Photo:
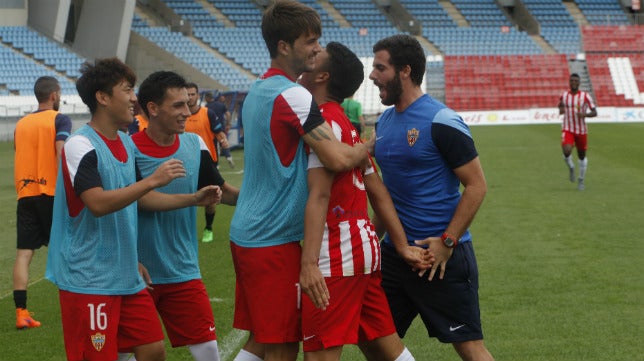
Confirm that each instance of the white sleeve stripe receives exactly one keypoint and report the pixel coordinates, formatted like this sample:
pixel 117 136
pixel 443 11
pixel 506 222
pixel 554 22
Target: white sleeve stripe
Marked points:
pixel 337 131
pixel 300 100
pixel 76 148
pixel 202 145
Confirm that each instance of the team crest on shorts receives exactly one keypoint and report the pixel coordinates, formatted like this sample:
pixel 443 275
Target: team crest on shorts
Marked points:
pixel 98 340
pixel 412 136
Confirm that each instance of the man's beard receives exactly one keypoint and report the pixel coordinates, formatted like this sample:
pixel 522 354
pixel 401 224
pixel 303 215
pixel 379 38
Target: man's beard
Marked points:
pixel 393 90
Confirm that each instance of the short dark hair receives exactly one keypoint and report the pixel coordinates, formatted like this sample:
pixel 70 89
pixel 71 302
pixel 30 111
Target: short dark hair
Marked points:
pixel 345 69
pixel 575 75
pixel 192 85
pixel 154 87
pixel 44 86
pixel 103 75
pixel 288 20
pixel 404 50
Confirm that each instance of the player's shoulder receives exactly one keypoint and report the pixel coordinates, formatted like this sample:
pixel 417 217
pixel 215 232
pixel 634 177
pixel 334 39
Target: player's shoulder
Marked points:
pixel 76 148
pixel 78 141
pixel 63 117
pixel 296 94
pixel 450 119
pixel 190 137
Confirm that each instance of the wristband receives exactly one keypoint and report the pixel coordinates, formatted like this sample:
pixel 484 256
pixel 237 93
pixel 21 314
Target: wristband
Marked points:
pixel 449 241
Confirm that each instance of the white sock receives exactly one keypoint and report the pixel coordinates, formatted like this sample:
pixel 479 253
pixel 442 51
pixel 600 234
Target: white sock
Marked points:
pixel 244 355
pixel 405 356
pixel 569 162
pixel 206 351
pixel 129 356
pixel 583 165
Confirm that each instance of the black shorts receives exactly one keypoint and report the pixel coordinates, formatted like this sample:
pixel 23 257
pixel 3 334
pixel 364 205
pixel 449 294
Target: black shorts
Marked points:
pixel 449 307
pixel 33 219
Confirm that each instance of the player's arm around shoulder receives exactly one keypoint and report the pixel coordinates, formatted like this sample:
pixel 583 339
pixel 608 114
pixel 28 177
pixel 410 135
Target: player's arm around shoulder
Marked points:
pixel 335 155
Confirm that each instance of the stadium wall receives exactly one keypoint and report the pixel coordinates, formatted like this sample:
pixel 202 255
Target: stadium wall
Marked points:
pixel 550 116
pixel 80 116
pixel 104 28
pixel 49 17
pixel 13 12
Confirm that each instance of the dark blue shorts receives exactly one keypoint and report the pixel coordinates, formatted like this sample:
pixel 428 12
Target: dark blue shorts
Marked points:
pixel 449 307
pixel 33 218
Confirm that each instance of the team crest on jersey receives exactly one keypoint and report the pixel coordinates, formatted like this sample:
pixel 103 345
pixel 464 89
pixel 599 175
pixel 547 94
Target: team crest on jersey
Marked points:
pixel 338 211
pixel 98 340
pixel 412 136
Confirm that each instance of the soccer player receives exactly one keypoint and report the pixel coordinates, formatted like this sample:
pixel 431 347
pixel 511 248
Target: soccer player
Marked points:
pixel 575 105
pixel 353 110
pixel 204 122
pixel 167 240
pixel 219 107
pixel 425 152
pixel 280 117
pixel 38 140
pixel 345 250
pixel 140 121
pixel 105 306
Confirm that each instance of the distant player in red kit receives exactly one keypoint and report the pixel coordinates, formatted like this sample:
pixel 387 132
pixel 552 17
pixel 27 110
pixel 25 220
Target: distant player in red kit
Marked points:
pixel 575 104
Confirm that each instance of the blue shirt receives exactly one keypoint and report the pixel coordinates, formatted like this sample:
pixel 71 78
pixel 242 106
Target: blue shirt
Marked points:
pixel 416 150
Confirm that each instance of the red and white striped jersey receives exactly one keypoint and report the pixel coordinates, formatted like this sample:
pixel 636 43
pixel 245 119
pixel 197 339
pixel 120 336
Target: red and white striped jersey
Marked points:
pixel 573 104
pixel 350 245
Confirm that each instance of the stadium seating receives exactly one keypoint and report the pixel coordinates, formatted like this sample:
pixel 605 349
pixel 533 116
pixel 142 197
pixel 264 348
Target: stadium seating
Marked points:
pixel 620 38
pixel 429 13
pixel 42 49
pixel 361 13
pixel 26 55
pixel 488 52
pixel 481 14
pixel 481 41
pixel 190 51
pixel 504 82
pixel 602 12
pixel 241 13
pixel 615 63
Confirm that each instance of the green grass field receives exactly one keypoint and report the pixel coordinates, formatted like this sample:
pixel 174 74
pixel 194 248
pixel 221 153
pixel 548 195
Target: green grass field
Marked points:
pixel 561 270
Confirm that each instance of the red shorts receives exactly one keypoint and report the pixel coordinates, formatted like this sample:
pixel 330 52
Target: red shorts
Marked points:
pixel 185 311
pixel 267 293
pixel 579 140
pixel 358 311
pixel 98 327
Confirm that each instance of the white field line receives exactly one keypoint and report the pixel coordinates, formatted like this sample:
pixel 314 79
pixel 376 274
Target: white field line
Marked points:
pixel 10 293
pixel 229 343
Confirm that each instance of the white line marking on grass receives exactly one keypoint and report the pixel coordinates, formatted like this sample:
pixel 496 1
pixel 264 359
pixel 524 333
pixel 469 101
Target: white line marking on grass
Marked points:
pixel 10 293
pixel 233 172
pixel 229 343
pixel 216 299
